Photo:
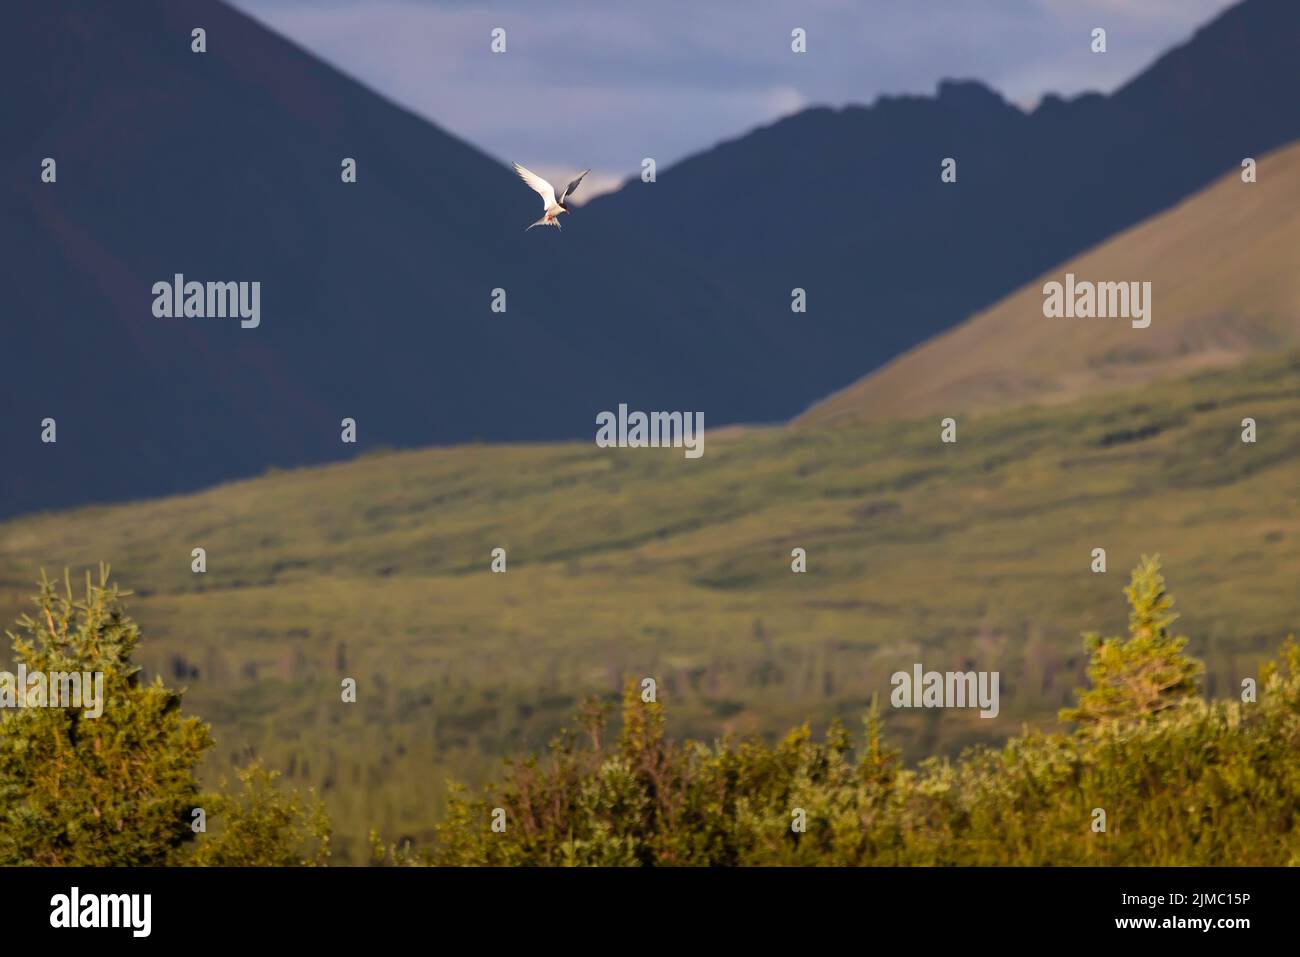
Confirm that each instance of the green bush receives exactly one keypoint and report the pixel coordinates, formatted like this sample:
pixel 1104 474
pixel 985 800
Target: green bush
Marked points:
pixel 1180 781
pixel 121 788
pixel 262 826
pixel 116 789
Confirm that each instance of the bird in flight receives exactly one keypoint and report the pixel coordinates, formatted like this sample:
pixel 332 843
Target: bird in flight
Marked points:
pixel 553 205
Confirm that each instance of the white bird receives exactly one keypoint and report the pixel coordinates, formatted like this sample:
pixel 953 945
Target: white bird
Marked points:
pixel 550 203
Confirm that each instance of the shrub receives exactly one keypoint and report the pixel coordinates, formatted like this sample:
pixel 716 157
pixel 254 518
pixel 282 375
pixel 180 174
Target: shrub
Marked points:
pixel 75 790
pixel 1181 781
pixel 121 788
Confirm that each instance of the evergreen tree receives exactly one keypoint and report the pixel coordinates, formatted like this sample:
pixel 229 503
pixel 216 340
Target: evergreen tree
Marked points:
pixel 1145 674
pixel 121 788
pixel 107 790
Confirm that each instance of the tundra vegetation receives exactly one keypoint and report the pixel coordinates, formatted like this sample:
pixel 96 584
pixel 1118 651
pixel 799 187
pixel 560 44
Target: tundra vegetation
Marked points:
pixel 970 556
pixel 122 788
pixel 1180 779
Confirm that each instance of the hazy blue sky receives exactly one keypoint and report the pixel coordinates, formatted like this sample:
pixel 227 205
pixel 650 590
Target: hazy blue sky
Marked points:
pixel 603 83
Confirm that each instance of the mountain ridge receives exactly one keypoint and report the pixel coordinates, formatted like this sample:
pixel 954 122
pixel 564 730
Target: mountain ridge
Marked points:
pixel 1223 289
pixel 377 295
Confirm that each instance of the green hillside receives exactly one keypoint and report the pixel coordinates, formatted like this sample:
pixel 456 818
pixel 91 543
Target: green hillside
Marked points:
pixel 1224 286
pixel 640 562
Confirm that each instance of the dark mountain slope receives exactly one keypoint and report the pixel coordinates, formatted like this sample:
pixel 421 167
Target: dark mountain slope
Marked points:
pixel 375 296
pixel 849 204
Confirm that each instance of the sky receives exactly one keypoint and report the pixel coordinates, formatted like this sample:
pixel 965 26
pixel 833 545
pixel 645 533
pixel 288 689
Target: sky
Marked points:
pixel 605 83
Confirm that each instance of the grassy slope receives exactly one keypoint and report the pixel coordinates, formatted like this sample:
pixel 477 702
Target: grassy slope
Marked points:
pixel 642 562
pixel 1224 286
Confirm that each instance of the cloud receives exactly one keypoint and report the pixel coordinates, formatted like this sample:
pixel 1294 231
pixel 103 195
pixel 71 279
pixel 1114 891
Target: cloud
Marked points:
pixel 784 100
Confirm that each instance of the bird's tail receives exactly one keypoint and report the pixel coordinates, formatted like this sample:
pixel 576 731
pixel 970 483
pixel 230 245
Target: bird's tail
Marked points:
pixel 543 222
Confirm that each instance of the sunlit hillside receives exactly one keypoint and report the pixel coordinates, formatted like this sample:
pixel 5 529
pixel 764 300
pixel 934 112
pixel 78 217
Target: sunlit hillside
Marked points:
pixel 640 562
pixel 1224 286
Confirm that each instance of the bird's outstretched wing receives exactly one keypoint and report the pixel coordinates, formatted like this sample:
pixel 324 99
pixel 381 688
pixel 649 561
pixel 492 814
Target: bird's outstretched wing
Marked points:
pixel 572 187
pixel 546 190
